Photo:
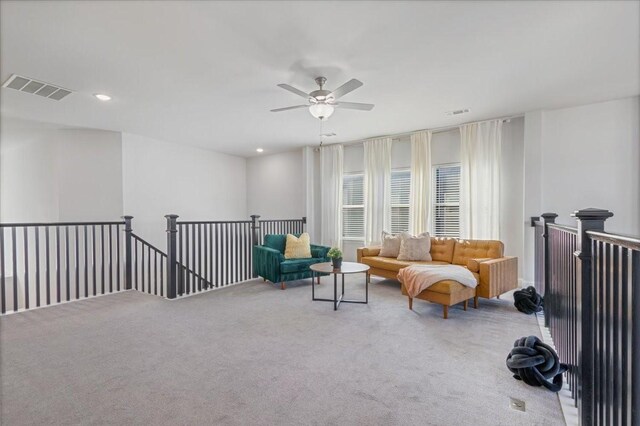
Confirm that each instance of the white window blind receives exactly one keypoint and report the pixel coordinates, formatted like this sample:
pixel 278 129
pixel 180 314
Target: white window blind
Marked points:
pixel 353 207
pixel 446 206
pixel 400 188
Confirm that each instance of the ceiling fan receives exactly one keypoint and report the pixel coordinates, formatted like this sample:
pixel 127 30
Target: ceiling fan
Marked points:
pixel 322 102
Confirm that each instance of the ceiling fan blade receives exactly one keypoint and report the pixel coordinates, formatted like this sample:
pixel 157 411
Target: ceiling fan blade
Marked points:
pixel 288 108
pixel 294 90
pixel 349 86
pixel 355 105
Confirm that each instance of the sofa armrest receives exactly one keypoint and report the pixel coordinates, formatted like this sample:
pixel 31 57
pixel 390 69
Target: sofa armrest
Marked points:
pixel 319 251
pixel 498 276
pixel 266 263
pixel 367 251
pixel 474 264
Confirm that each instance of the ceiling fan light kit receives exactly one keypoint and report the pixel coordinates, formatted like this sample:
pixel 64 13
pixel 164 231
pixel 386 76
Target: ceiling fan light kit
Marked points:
pixel 321 110
pixel 322 103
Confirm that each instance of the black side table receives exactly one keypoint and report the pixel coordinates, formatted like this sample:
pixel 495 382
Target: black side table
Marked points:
pixel 346 268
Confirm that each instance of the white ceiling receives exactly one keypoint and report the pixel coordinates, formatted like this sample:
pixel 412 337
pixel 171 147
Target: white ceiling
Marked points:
pixel 205 73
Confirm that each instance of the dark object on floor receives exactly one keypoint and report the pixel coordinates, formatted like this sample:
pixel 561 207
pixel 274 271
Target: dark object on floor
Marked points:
pixel 527 300
pixel 535 363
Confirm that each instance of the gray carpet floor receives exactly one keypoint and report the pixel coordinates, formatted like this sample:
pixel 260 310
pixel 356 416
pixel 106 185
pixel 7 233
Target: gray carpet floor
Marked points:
pixel 253 354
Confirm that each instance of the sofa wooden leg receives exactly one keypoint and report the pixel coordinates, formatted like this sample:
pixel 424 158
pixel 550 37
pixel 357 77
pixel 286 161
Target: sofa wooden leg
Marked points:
pixel 475 302
pixel 264 280
pixel 282 286
pixel 498 297
pixel 318 279
pixel 445 311
pixel 465 304
pixel 411 303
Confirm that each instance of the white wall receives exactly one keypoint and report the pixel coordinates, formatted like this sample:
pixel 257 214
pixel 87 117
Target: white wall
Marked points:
pixel 445 147
pixel 89 175
pixel 50 174
pixel 276 185
pixel 162 178
pixel 580 157
pixel 28 184
pixel 591 158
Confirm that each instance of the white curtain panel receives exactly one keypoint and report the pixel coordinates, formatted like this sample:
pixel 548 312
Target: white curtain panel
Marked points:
pixel 420 195
pixel 377 189
pixel 331 159
pixel 480 164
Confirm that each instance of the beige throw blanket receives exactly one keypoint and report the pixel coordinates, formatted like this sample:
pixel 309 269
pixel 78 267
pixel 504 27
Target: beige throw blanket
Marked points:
pixel 416 278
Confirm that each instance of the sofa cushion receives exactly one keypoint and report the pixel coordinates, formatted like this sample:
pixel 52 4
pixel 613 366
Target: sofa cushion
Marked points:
pixel 297 265
pixel 450 286
pixel 297 248
pixel 277 241
pixel 442 249
pixel 390 264
pixel 476 249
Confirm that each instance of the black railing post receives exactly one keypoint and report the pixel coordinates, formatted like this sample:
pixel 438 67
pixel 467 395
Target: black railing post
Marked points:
pixel 255 238
pixel 255 230
pixel 128 263
pixel 172 276
pixel 588 220
pixel 547 218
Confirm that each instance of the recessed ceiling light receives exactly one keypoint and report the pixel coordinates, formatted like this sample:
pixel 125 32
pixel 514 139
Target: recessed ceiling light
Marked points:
pixel 259 150
pixel 102 97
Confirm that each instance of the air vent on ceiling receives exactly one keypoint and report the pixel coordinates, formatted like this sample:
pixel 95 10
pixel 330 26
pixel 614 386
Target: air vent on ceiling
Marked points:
pixel 35 87
pixel 458 111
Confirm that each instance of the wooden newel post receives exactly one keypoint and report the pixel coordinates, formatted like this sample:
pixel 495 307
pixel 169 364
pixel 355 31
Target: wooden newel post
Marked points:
pixel 127 252
pixel 547 218
pixel 588 220
pixel 172 275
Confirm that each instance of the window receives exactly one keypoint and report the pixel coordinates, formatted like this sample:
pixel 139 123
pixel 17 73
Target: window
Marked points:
pixel 353 207
pixel 446 203
pixel 400 188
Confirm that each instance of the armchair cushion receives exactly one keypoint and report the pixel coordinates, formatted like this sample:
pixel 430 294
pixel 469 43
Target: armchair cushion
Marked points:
pixel 297 265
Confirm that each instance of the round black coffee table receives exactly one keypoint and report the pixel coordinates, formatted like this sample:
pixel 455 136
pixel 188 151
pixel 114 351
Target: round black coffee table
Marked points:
pixel 346 268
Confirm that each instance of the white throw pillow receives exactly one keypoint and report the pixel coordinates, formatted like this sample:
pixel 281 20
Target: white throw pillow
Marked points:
pixel 391 244
pixel 415 248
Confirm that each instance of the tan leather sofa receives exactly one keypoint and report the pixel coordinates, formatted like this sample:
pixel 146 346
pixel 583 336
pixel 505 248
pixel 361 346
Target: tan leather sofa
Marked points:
pixel 494 272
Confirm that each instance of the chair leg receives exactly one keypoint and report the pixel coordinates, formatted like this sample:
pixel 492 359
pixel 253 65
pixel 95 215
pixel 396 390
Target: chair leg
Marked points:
pixel 318 279
pixel 411 303
pixel 475 302
pixel 282 286
pixel 445 311
pixel 465 304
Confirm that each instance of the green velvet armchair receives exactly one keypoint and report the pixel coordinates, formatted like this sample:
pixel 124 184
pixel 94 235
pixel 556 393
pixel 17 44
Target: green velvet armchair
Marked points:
pixel 270 264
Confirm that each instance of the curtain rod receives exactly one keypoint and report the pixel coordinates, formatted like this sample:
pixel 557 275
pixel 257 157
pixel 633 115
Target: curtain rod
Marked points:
pixel 434 130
